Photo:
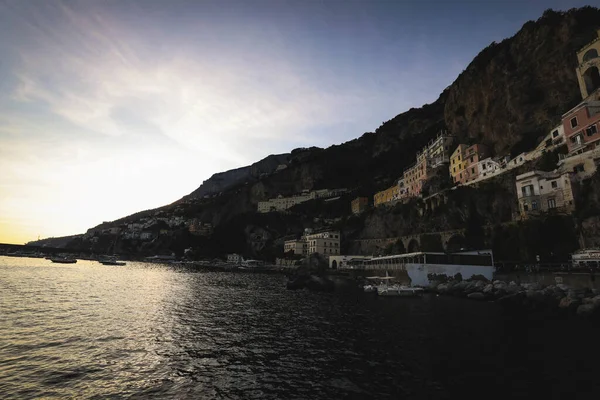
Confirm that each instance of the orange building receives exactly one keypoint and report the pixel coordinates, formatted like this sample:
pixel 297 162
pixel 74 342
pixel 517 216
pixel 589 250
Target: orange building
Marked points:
pixel 386 196
pixel 464 162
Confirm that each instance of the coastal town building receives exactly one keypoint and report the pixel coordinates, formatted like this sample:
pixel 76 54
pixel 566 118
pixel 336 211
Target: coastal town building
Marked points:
pixel 402 189
pixel 234 259
pixel 456 163
pixel 583 165
pixel 554 139
pixel 434 155
pixel 359 205
pixel 386 196
pixel 281 203
pixel 465 162
pixel 588 67
pixel 325 243
pixel 437 151
pixel 344 262
pixel 296 247
pixel 540 192
pixel 582 126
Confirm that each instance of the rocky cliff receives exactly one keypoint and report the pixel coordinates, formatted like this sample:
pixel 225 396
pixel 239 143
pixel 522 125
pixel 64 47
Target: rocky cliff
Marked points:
pixel 515 91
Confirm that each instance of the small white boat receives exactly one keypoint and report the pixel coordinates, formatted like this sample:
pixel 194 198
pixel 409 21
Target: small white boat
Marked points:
pixel 385 289
pixel 370 288
pixel 399 291
pixel 110 261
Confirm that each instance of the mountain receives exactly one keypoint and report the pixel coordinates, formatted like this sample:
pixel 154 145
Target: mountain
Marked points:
pixel 222 181
pixel 515 91
pixel 509 97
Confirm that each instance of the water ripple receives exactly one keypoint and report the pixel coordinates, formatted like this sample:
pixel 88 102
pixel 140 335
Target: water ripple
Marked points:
pixel 148 331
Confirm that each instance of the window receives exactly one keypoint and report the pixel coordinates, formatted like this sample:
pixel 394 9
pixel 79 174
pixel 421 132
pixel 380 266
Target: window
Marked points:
pixel 454 169
pixel 525 208
pixel 472 158
pixel 527 190
pixel 555 133
pixel 573 122
pixel 473 170
pixel 578 168
pixel 551 203
pixel 592 130
pixel 534 205
pixel 554 184
pixel 541 187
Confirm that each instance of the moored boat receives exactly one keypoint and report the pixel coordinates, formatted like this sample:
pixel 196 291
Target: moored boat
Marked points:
pixel 63 260
pixel 111 261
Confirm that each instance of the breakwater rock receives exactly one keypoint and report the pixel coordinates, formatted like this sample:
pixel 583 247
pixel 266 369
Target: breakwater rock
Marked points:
pixel 526 296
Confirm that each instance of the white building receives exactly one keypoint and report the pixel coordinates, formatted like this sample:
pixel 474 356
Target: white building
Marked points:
pixel 324 243
pixel 298 247
pixel 281 203
pixel 517 161
pixel 235 259
pixel 539 192
pixel 437 151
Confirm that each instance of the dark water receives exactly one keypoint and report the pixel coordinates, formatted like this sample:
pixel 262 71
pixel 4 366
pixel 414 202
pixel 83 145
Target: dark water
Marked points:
pixel 147 331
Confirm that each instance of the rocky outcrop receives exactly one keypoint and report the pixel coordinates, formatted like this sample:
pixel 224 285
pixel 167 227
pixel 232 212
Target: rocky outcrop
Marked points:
pixel 224 180
pixel 525 297
pixel 515 91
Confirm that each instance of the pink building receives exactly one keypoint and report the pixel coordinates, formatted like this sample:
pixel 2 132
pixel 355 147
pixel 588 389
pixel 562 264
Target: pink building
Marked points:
pixel 582 126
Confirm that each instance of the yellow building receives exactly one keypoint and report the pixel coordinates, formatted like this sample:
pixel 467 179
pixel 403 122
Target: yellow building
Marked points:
pixel 386 196
pixel 457 165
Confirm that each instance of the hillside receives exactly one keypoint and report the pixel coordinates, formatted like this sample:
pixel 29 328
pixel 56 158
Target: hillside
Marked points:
pixel 508 97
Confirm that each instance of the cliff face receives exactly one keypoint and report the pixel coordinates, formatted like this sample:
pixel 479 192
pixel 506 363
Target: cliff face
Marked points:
pixel 515 91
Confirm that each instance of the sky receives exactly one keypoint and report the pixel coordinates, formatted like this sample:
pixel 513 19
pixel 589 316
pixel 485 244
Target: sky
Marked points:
pixel 109 107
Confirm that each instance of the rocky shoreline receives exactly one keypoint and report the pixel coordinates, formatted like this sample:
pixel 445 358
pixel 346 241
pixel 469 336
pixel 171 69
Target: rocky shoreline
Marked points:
pixel 525 296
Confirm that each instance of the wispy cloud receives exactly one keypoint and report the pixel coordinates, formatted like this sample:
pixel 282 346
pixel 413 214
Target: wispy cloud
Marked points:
pixel 111 107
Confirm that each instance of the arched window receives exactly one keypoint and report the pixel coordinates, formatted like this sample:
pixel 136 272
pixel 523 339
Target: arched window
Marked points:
pixel 591 78
pixel 590 55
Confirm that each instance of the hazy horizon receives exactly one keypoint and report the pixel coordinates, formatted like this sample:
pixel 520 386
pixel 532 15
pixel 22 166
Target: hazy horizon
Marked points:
pixel 114 107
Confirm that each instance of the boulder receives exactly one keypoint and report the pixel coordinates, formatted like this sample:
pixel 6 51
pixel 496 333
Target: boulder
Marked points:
pixel 488 289
pixel 480 284
pixel 569 303
pixel 514 288
pixel 500 286
pixel 434 284
pixel 587 309
pixel 442 288
pixel 476 296
pixel 562 287
pixel 531 286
